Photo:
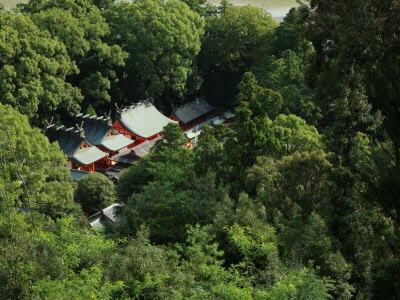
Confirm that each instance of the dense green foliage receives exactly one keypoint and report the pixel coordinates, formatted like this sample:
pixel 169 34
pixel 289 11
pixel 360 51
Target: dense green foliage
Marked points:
pixel 233 42
pixel 94 192
pixel 299 199
pixel 34 68
pixel 80 26
pixel 171 30
pixel 31 175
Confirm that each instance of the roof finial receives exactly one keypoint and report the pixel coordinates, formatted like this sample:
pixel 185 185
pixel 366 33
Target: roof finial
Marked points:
pixel 51 122
pixel 118 108
pixel 80 127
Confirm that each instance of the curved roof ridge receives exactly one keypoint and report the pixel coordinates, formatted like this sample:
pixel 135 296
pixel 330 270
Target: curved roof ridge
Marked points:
pixel 133 106
pixel 143 119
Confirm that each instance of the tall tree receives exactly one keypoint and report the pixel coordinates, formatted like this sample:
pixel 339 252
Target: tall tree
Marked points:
pixel 55 259
pixel 170 195
pixel 172 138
pixel 32 174
pixel 83 30
pixel 254 135
pixel 209 149
pixel 285 74
pixel 287 36
pixel 275 73
pixel 162 39
pixel 34 69
pixel 233 41
pixel 356 73
pixel 295 134
pixel 196 5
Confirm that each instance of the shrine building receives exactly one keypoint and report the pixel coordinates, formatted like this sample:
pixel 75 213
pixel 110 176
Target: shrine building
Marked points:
pixel 141 122
pixel 192 114
pixel 81 155
pixel 127 157
pixel 100 132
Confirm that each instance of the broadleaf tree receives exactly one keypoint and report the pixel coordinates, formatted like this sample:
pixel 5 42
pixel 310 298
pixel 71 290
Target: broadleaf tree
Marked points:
pixel 162 39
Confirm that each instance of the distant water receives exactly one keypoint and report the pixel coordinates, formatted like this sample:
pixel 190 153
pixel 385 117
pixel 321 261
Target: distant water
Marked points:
pixel 11 3
pixel 277 8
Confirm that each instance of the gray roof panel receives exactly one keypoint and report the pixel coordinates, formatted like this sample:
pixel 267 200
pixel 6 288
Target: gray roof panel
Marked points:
pixel 143 149
pixel 69 140
pixel 192 134
pixel 143 119
pixel 116 142
pixel 217 121
pixel 100 218
pixel 229 114
pixel 98 222
pixel 98 132
pixel 95 131
pixel 124 156
pixel 78 174
pixel 116 170
pixel 129 156
pixel 88 155
pixel 109 211
pixel 193 110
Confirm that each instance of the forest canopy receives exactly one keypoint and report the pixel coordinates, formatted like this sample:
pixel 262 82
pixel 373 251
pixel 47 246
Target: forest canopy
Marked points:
pixel 298 198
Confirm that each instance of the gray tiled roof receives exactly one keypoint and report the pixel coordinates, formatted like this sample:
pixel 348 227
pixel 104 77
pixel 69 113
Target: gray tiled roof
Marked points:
pixel 143 119
pixel 109 211
pixel 115 171
pixel 217 121
pixel 229 114
pixel 196 130
pixel 97 221
pixel 124 156
pixel 143 149
pixel 193 110
pixel 96 129
pixel 191 134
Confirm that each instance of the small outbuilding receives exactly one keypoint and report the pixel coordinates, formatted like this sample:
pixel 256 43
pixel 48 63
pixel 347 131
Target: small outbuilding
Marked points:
pixel 107 214
pixel 192 113
pixel 125 158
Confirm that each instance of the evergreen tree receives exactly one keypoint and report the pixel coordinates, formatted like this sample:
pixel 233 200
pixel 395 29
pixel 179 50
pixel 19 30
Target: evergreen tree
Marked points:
pixel 253 127
pixel 234 40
